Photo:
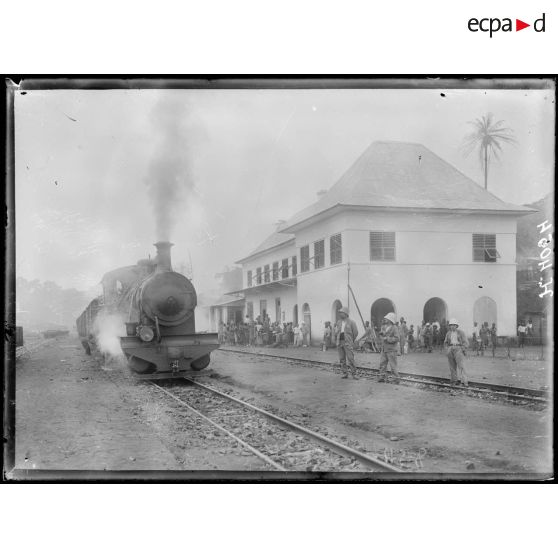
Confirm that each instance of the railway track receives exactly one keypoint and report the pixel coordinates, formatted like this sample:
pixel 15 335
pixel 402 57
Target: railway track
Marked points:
pixel 276 445
pixel 511 393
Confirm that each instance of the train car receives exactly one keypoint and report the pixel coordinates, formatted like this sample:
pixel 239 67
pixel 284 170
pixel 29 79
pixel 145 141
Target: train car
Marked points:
pixel 85 324
pixel 156 305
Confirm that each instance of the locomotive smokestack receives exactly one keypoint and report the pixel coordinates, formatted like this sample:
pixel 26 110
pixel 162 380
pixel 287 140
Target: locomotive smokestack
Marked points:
pixel 163 255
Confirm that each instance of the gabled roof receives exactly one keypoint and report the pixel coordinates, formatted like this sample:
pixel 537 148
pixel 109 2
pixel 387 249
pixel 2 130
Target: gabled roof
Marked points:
pixel 272 241
pixel 406 176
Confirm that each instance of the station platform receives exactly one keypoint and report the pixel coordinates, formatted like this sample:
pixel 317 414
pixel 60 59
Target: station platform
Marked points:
pixel 528 368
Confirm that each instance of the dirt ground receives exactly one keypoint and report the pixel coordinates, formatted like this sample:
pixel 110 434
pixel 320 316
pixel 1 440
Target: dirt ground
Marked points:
pixel 71 414
pixel 456 432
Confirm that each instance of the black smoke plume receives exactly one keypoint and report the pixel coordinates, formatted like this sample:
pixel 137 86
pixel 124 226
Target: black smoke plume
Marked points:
pixel 170 175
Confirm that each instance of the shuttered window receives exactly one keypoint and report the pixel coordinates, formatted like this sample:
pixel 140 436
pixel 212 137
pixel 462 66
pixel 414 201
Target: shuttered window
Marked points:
pixel 259 275
pixel 484 248
pixel 285 268
pixel 295 270
pixel 266 273
pixel 335 249
pixel 382 245
pixel 304 258
pixel 275 271
pixel 249 278
pixel 319 254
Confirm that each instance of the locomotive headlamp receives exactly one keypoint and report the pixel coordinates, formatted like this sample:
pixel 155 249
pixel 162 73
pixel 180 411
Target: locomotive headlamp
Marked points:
pixel 146 333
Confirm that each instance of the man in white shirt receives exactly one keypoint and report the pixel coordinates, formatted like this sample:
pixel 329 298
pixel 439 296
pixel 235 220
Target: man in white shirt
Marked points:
pixel 456 343
pixel 297 336
pixel 521 330
pixel 476 337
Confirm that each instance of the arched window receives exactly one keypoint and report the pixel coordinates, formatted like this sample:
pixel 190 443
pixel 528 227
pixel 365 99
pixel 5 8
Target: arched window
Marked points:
pixel 379 309
pixel 307 316
pixel 485 311
pixel 434 310
pixel 335 307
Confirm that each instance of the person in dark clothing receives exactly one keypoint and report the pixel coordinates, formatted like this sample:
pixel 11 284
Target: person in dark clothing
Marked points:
pixel 428 335
pixel 347 333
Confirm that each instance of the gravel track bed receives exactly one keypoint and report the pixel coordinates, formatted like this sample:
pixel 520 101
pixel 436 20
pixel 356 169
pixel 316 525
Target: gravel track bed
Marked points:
pixel 407 459
pixel 292 451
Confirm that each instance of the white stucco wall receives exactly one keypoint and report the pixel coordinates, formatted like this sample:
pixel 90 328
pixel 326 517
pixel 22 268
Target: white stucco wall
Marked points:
pixel 287 295
pixel 267 258
pixel 433 259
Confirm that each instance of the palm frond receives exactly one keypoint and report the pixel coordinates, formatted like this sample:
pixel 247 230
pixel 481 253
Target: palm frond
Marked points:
pixel 488 137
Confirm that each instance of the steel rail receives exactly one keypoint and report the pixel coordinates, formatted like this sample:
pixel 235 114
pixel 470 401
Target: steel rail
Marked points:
pixel 214 424
pixel 519 393
pixel 332 444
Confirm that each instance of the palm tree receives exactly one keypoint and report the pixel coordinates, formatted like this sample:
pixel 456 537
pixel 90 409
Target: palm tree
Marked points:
pixel 487 137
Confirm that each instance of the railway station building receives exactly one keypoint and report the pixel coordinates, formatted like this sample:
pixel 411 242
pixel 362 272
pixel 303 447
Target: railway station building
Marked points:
pixel 402 230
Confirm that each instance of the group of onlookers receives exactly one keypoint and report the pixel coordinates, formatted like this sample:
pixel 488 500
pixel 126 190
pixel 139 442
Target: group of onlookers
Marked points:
pixel 426 337
pixel 262 331
pixel 484 337
pixel 525 332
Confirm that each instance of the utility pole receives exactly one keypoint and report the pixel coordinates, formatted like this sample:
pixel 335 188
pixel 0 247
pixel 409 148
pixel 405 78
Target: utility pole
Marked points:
pixel 348 285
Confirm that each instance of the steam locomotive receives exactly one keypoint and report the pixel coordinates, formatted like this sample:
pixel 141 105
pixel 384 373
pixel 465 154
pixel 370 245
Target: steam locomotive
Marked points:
pixel 157 305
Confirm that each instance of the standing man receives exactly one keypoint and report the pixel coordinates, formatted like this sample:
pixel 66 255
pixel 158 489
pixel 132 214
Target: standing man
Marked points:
pixel 390 339
pixel 493 339
pixel 530 332
pixel 403 332
pixel 297 336
pixel 347 333
pixel 522 331
pixel 304 331
pixel 326 343
pixel 456 343
pixel 428 335
pixel 420 335
pixel 476 337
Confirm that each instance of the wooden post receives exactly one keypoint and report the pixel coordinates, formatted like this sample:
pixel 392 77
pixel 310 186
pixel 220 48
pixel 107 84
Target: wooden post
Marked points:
pixel 348 285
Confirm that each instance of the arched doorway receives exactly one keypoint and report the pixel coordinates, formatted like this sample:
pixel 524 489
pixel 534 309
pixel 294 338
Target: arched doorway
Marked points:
pixel 295 315
pixel 485 310
pixel 307 316
pixel 435 309
pixel 379 309
pixel 335 307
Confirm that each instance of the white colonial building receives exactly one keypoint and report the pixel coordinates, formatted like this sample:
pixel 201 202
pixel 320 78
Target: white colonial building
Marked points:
pixel 403 231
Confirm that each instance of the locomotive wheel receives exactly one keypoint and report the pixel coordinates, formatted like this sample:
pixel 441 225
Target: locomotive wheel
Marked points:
pixel 200 363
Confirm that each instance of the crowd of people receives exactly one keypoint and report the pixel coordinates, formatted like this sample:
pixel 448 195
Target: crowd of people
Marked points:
pixel 425 337
pixel 391 338
pixel 262 331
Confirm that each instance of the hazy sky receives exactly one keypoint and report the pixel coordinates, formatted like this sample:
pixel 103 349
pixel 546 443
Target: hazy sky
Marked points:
pixel 90 165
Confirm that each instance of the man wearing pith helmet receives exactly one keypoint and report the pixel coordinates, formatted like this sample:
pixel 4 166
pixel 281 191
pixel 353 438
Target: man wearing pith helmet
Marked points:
pixel 390 340
pixel 347 333
pixel 456 343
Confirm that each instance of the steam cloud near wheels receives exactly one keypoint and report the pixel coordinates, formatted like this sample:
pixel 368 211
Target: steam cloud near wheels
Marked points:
pixel 108 328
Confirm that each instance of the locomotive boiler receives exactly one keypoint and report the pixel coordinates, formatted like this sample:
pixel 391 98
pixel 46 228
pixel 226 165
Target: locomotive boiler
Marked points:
pixel 157 306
